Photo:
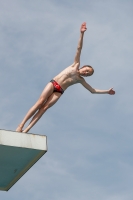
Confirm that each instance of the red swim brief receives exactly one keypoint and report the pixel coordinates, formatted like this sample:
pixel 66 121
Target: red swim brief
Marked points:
pixel 57 87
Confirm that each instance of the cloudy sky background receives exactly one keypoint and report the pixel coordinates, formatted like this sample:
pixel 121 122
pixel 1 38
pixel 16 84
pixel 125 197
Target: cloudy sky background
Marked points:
pixel 90 137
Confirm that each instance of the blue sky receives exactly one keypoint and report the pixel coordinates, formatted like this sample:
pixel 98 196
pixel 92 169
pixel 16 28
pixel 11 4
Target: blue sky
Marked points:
pixel 89 136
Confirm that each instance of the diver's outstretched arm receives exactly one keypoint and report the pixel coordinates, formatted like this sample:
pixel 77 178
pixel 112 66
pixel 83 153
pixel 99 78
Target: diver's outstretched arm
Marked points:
pixel 80 43
pixel 96 91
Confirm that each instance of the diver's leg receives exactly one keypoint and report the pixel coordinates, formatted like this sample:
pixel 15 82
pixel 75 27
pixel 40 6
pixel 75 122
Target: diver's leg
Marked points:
pixel 50 102
pixel 48 90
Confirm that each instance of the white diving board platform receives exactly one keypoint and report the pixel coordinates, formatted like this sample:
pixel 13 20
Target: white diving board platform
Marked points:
pixel 18 153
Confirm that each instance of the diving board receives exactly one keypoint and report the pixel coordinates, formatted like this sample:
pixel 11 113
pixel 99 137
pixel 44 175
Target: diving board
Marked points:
pixel 18 153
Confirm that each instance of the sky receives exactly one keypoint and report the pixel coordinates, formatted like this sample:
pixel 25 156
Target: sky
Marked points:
pixel 89 136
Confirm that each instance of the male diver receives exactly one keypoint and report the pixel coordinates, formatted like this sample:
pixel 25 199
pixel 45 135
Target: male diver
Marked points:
pixel 56 87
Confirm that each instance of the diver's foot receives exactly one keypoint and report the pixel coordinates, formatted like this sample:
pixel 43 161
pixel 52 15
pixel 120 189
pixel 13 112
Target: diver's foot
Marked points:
pixel 25 131
pixel 19 128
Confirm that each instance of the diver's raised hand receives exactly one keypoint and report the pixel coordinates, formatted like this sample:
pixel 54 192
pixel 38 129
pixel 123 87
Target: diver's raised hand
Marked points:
pixel 83 27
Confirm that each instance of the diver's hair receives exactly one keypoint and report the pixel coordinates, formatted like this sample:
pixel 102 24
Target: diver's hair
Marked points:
pixel 89 67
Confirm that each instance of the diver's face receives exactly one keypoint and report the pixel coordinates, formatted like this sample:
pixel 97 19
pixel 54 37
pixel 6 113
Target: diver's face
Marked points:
pixel 85 71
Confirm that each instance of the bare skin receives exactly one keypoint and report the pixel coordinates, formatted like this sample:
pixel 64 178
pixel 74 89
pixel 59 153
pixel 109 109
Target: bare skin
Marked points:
pixel 69 76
